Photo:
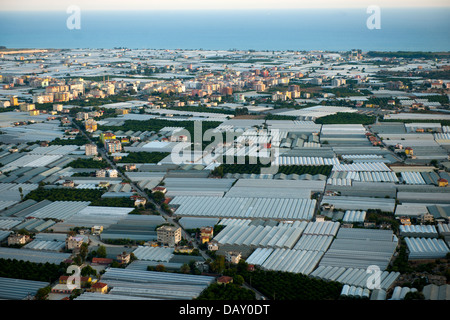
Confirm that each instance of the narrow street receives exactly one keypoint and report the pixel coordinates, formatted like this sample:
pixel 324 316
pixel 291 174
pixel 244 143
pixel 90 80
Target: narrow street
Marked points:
pixel 166 216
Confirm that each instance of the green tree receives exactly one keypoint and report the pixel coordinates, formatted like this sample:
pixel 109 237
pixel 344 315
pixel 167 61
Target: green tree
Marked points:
pixel 185 268
pixel 101 252
pixel 238 279
pixel 88 271
pixel 218 265
pixel 42 293
pixel 414 296
pixel 84 251
pixel 158 197
pixel 160 268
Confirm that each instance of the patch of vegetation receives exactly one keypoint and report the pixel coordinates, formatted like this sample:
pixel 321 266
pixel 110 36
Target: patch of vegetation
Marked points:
pixel 113 202
pixel 343 92
pixel 346 118
pixel 87 163
pixel 64 194
pixel 144 157
pixel 277 285
pixel 158 124
pixel 18 269
pixel 271 116
pixel 256 169
pixel 226 292
pixel 202 109
pixel 78 140
pixel 408 54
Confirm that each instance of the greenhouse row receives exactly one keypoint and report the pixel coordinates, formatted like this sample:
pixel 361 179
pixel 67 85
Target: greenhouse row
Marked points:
pixel 426 248
pixel 287 260
pixel 359 277
pixel 305 161
pixel 415 231
pixel 153 253
pixel 271 208
pixel 281 236
pixel 377 166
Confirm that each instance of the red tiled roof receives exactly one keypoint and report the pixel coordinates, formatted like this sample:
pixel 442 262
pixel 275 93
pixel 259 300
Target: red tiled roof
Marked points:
pixel 67 277
pixel 224 279
pixel 102 260
pixel 99 285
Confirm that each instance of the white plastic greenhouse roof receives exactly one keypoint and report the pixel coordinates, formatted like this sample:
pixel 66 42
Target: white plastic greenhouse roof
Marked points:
pixel 314 242
pixel 119 274
pixel 360 203
pixel 33 255
pixel 443 228
pixel 412 177
pixel 322 228
pixel 281 236
pixel 426 248
pixel 9 223
pixel 274 208
pixel 418 229
pixel 354 216
pixel 55 149
pixel 308 161
pixel 153 253
pixel 18 289
pixel 295 261
pixel 107 211
pixel 60 210
pixel 34 160
pixel 353 276
pixel 362 166
pixel 45 245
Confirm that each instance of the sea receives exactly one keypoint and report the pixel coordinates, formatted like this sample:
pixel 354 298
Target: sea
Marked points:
pixel 396 29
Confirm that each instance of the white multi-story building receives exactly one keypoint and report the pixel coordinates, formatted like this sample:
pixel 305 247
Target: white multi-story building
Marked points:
pixel 91 149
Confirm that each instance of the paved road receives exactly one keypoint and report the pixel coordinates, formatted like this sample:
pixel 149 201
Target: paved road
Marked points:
pixel 166 216
pixel 138 190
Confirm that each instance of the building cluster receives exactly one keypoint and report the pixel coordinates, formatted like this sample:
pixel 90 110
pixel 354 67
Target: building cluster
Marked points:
pixel 332 168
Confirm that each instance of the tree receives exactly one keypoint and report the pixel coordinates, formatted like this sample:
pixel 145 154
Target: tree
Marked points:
pixel 414 296
pixel 78 260
pixel 218 265
pixel 83 251
pixel 160 268
pixel 42 293
pixel 158 197
pixel 185 268
pixel 101 252
pixel 238 279
pixel 87 271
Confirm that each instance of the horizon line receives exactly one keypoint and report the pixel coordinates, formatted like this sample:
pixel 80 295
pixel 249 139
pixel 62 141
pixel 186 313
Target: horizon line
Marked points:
pixel 188 9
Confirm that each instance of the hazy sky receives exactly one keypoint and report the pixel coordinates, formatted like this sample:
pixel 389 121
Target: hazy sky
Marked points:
pixel 45 5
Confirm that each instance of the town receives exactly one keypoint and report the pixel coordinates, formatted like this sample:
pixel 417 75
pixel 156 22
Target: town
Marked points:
pixel 224 174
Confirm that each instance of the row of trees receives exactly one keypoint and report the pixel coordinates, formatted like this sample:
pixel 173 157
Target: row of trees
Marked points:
pixel 279 285
pixel 78 140
pixel 144 157
pixel 256 169
pixel 64 194
pixel 346 118
pixel 158 124
pixel 67 194
pixel 88 163
pixel 231 291
pixel 19 269
pixel 276 285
